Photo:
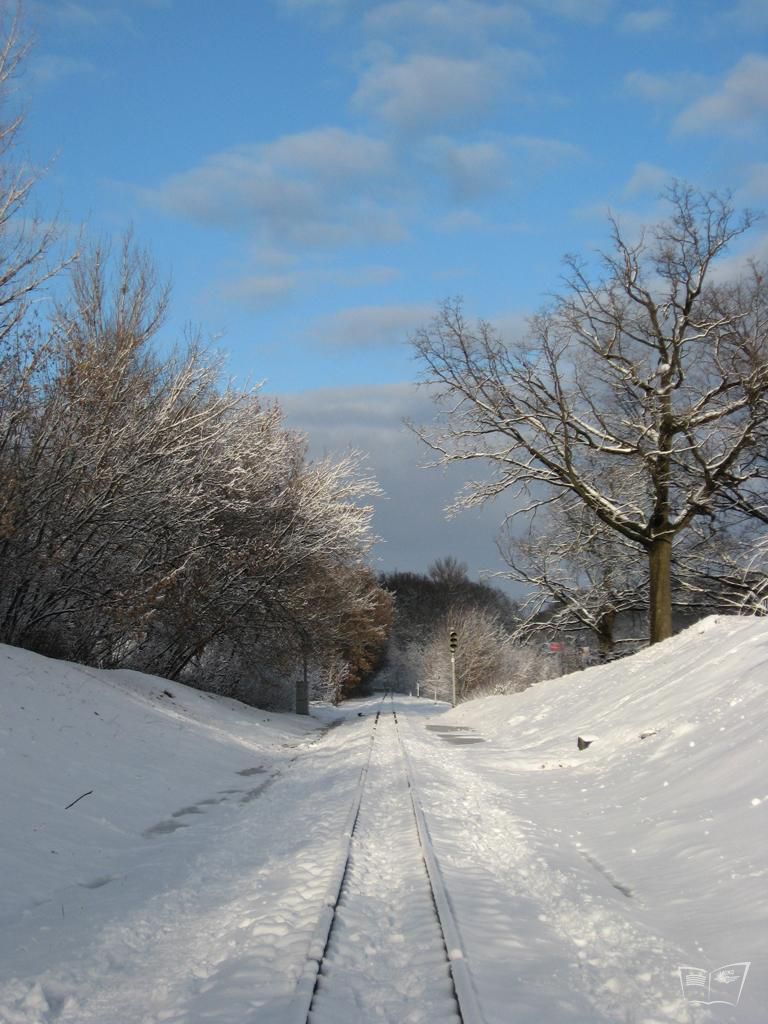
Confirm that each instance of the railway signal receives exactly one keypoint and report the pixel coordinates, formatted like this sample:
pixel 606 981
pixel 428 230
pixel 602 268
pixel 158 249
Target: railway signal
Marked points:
pixel 453 643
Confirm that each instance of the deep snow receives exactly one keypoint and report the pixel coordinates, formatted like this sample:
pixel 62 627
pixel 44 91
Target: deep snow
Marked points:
pixel 649 845
pixel 187 885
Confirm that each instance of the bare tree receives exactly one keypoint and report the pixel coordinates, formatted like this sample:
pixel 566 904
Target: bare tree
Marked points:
pixel 723 566
pixel 156 519
pixel 582 575
pixel 652 369
pixel 448 572
pixel 98 492
pixel 151 515
pixel 25 240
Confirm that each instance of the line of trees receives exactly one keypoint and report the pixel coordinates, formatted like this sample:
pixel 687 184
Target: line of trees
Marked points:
pixel 630 424
pixel 152 515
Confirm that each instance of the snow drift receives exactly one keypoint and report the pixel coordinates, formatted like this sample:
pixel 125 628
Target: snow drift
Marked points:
pixel 142 759
pixel 668 802
pixel 165 853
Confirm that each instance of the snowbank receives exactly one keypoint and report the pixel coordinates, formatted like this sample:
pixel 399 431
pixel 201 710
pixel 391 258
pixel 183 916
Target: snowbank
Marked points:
pixel 100 774
pixel 142 881
pixel 668 803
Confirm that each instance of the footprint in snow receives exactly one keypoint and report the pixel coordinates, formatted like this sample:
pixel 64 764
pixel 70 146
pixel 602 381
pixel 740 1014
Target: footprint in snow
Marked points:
pixel 163 828
pixel 97 883
pixel 192 809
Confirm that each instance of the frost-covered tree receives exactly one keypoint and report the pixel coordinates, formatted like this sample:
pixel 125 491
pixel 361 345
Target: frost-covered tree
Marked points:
pixel 422 601
pixel 156 518
pixel 98 492
pixel 653 368
pixel 723 566
pixel 581 576
pixel 487 661
pixel 152 515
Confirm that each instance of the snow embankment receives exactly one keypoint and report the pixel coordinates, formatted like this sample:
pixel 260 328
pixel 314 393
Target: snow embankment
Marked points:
pixel 98 771
pixel 668 801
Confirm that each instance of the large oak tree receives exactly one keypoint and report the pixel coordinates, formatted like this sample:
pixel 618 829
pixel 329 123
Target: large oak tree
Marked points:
pixel 641 392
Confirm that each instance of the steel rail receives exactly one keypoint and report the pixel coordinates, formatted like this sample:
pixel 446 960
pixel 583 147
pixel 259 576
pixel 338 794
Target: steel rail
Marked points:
pixel 299 1008
pixel 464 988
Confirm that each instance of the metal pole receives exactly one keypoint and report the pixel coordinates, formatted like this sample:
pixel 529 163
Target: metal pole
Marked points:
pixel 453 677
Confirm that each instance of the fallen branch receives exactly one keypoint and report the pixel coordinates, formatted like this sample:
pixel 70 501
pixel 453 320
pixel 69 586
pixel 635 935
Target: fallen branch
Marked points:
pixel 79 798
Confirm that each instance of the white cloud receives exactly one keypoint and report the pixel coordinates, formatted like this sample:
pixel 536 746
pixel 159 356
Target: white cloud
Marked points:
pixel 461 19
pixel 372 326
pixel 79 15
pixel 649 86
pixel 370 419
pixel 258 291
pixel 737 107
pixel 647 178
pixel 332 6
pixel 671 87
pixel 90 16
pixel 749 14
pixel 590 11
pixel 82 14
pixel 50 68
pixel 476 170
pixel 752 250
pixel 231 187
pixel 647 20
pixel 462 220
pixel 472 170
pixel 512 326
pixel 312 188
pixel 756 185
pixel 330 152
pixel 545 152
pixel 357 277
pixel 426 90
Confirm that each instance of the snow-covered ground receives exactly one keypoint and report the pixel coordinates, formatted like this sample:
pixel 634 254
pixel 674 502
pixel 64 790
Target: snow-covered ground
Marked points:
pixel 645 851
pixel 386 960
pixel 198 860
pixel 186 886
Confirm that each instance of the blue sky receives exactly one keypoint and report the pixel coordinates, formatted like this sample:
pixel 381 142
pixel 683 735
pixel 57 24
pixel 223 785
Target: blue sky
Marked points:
pixel 316 175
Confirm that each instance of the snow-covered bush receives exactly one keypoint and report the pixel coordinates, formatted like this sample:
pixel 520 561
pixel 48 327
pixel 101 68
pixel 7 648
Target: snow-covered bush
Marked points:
pixel 486 660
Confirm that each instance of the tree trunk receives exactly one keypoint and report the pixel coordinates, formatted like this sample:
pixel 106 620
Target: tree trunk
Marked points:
pixel 660 555
pixel 302 688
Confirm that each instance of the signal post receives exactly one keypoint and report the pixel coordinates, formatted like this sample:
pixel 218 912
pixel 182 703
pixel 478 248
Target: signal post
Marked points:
pixel 453 643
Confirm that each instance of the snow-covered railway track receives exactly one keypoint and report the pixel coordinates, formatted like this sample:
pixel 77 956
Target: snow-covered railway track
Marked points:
pixel 386 947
